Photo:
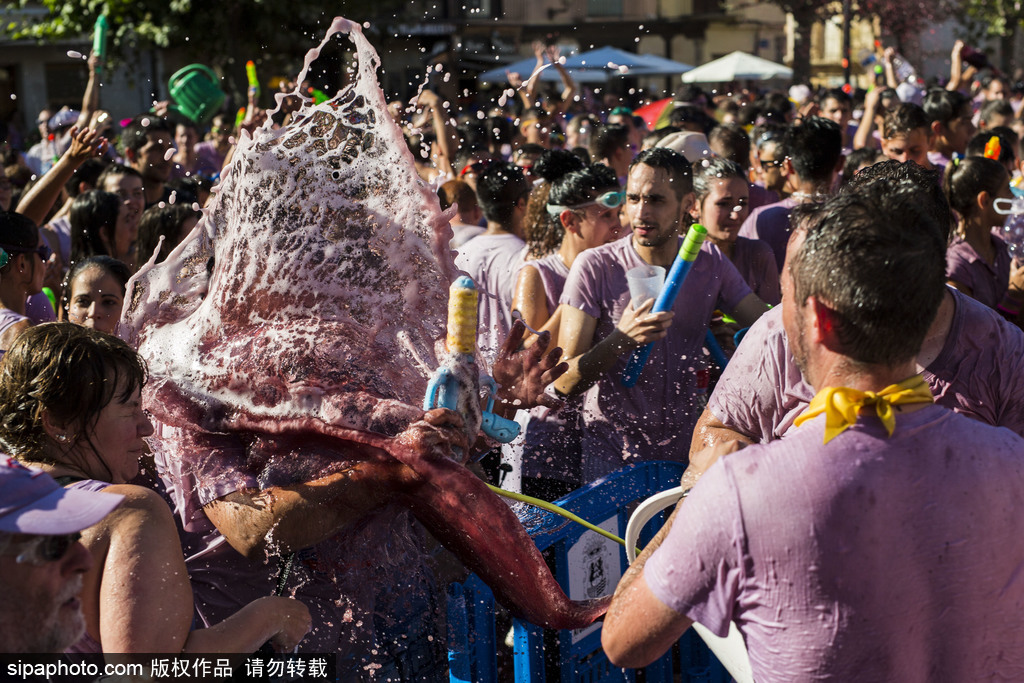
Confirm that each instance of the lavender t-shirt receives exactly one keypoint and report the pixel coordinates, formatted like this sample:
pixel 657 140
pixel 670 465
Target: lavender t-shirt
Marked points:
pixel 493 262
pixel 869 558
pixel 979 372
pixel 551 446
pixel 988 281
pixel 756 263
pixel 770 223
pixel 654 419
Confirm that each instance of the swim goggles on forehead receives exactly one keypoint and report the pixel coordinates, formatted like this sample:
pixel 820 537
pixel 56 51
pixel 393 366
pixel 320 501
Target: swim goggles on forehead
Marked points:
pixel 608 200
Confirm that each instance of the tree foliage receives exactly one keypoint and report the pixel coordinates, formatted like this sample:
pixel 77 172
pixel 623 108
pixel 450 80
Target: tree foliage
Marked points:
pixel 216 33
pixel 903 19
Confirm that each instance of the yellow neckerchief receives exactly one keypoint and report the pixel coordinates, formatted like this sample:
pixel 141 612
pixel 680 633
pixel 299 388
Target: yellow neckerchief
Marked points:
pixel 842 404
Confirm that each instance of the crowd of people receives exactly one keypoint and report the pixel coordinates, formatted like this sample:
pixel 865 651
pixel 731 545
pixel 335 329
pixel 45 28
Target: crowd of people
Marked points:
pixel 855 465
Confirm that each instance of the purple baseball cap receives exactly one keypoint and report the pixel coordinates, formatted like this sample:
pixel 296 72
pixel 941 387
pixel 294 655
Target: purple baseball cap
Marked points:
pixel 31 502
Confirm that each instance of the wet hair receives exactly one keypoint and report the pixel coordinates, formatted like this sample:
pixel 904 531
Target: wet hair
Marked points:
pixel 573 188
pixel 858 158
pixel 814 147
pixel 1007 145
pixel 498 189
pixel 995 108
pixel 133 137
pixel 944 105
pixel 680 172
pixel 966 179
pixel 162 221
pixel 768 133
pixel 116 170
pixel 714 169
pixel 93 219
pixel 108 264
pixel 70 371
pixel 607 139
pixel 926 181
pixel 903 119
pixel 543 233
pixel 853 261
pixel 732 142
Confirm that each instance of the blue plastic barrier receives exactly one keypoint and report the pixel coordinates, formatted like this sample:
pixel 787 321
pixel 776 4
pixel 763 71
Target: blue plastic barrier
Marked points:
pixel 586 565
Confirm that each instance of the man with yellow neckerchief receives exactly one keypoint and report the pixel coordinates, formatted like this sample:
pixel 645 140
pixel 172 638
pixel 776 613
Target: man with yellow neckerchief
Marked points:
pixel 878 539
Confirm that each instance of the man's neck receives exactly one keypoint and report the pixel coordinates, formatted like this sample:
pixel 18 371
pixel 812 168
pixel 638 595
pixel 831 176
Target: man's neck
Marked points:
pixel 495 228
pixel 662 255
pixel 836 370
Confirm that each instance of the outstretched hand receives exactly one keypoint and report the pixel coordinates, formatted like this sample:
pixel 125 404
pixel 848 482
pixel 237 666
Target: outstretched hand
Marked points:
pixel 523 374
pixel 85 143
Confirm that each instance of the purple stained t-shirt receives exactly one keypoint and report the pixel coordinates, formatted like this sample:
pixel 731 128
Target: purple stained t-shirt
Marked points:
pixel 493 262
pixel 551 445
pixel 756 263
pixel 770 224
pixel 869 558
pixel 988 281
pixel 654 419
pixel 979 372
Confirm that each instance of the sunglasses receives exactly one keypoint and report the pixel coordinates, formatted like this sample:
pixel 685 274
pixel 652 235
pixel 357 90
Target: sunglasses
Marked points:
pixel 43 250
pixel 777 163
pixel 608 200
pixel 44 549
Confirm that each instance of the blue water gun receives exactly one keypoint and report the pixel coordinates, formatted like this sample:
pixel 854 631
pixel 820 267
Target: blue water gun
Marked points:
pixel 456 384
pixel 680 268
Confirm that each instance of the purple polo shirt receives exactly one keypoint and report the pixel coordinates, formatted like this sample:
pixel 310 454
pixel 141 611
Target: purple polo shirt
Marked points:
pixel 770 224
pixel 654 419
pixel 988 281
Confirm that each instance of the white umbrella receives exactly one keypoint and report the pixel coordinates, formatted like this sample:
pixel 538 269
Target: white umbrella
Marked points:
pixel 738 66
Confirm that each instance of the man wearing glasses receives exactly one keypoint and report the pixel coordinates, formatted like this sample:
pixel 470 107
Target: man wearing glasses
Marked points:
pixel 600 328
pixel 41 561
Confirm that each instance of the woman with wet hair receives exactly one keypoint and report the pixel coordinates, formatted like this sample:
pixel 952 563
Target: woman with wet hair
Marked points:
pixel 71 405
pixel 22 274
pixel 978 261
pixel 721 190
pixel 585 206
pixel 93 293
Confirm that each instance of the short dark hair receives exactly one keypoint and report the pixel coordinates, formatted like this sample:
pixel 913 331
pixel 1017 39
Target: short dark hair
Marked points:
pixel 498 189
pixel 88 173
pixel 607 139
pixel 837 94
pixel 729 140
pixel 93 217
pixel 116 170
pixel 17 230
pixel 133 137
pixel 71 371
pixel 858 158
pixel 853 261
pixel 903 119
pixel 680 172
pixel 969 177
pixel 690 114
pixel 927 181
pixel 814 147
pixel 944 105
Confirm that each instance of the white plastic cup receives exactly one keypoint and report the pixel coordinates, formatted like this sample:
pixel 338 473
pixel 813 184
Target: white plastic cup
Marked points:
pixel 645 282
